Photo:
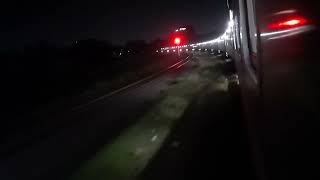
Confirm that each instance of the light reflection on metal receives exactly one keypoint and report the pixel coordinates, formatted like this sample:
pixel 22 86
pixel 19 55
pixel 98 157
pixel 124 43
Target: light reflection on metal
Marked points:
pixel 289 11
pixel 230 14
pixel 288 23
pixel 286 33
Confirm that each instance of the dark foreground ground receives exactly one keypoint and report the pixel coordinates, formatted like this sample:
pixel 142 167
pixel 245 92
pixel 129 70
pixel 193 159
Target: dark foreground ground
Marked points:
pixel 57 148
pixel 210 142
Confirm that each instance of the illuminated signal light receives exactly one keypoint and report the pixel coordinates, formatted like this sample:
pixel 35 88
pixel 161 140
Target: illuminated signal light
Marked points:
pixel 177 41
pixel 289 23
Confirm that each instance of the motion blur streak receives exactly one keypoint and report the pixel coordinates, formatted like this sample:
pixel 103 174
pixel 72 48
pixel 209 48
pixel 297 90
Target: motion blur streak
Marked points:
pixel 287 33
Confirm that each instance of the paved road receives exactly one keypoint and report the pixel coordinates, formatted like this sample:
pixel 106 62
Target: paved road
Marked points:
pixel 57 155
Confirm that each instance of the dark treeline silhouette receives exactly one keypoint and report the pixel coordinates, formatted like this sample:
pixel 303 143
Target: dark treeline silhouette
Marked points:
pixel 42 72
pixel 39 74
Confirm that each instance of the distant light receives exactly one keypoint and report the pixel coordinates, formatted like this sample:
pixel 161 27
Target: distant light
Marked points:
pixel 193 49
pixel 161 51
pixel 199 49
pixel 180 50
pixel 168 51
pixel 174 50
pixel 181 29
pixel 206 49
pixel 128 51
pixel 187 49
pixel 157 51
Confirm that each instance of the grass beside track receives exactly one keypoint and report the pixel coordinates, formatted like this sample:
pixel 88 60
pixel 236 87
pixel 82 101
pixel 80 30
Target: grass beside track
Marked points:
pixel 127 156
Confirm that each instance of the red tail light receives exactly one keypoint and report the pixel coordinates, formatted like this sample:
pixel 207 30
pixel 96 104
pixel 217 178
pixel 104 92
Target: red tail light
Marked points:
pixel 289 23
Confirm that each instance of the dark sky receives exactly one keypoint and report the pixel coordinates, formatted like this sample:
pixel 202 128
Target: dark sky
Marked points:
pixel 62 21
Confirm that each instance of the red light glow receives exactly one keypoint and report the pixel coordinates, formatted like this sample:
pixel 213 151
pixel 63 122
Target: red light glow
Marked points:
pixel 289 23
pixel 177 40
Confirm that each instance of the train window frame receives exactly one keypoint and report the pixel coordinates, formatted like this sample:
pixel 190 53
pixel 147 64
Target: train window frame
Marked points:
pixel 246 41
pixel 253 33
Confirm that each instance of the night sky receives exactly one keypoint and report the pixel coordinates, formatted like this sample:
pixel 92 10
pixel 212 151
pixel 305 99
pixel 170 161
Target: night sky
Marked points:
pixel 63 21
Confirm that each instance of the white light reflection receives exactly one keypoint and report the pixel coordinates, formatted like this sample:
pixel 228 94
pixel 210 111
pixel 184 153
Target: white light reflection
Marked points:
pixel 286 33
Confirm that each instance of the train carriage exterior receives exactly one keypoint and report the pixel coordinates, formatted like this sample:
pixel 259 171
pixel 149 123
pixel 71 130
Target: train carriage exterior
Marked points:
pixel 275 46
